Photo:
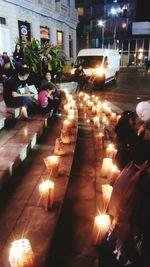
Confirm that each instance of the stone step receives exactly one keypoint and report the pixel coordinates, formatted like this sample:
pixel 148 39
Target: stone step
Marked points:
pixel 16 143
pixel 7 114
pixel 23 212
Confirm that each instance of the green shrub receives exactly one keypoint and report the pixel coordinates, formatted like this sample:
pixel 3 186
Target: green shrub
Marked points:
pixel 44 57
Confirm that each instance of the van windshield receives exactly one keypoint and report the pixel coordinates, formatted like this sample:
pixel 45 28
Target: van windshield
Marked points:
pixel 89 61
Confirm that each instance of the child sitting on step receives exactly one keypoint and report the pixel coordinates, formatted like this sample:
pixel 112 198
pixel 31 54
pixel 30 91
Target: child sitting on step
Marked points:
pixel 49 100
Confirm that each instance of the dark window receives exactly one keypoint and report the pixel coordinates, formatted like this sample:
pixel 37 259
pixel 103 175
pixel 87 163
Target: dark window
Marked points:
pixel 89 61
pixel 2 21
pixel 70 46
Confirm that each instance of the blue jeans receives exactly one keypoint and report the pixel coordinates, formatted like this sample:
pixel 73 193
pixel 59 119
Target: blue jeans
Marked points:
pixel 23 101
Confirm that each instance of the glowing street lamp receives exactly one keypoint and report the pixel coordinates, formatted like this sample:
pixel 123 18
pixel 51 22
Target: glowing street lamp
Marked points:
pixel 101 23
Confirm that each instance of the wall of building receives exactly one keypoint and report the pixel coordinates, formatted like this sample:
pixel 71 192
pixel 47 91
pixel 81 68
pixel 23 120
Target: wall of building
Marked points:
pixel 55 16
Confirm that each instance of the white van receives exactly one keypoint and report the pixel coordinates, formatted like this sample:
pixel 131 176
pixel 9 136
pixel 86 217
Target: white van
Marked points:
pixel 102 64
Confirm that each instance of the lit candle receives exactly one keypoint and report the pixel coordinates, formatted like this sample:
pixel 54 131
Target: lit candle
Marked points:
pixel 73 104
pixel 71 119
pixel 81 106
pixel 71 112
pixel 59 147
pixel 81 95
pixel 67 107
pixel 106 167
pixel 113 117
pixel 70 98
pixel 101 226
pixel 46 190
pixel 108 110
pixel 65 137
pixel 106 194
pixel 111 151
pixel 96 121
pixel 52 164
pixel 21 254
pixel 114 174
pixel 100 139
pixel 67 126
pixel 93 111
pixel 104 106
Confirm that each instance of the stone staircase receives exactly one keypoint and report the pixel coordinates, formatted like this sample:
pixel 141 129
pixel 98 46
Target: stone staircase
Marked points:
pixel 21 172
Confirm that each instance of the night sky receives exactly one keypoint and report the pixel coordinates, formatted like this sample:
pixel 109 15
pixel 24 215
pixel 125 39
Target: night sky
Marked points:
pixel 143 11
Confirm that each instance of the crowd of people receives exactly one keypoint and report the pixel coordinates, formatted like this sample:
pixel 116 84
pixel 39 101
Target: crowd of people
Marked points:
pixel 127 242
pixel 15 74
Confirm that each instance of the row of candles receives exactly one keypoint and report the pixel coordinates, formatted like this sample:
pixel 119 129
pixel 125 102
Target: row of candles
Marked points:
pixel 99 113
pixel 21 253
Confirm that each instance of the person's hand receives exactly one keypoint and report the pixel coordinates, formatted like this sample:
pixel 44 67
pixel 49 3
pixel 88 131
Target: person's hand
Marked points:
pixel 141 129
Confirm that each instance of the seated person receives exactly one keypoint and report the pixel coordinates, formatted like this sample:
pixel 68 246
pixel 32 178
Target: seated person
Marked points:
pixel 47 81
pixel 6 71
pixel 48 100
pixel 13 97
pixel 18 56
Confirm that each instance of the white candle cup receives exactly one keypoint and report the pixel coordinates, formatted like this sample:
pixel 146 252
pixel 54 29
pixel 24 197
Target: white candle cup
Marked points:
pixel 73 104
pixel 113 117
pixel 46 190
pixel 71 112
pixel 21 254
pixel 81 95
pixel 96 122
pixel 106 167
pixel 93 111
pixel 65 137
pixel 72 120
pixel 106 194
pixel 59 147
pixel 100 140
pixel 67 107
pixel 67 126
pixel 111 151
pixel 52 164
pixel 101 226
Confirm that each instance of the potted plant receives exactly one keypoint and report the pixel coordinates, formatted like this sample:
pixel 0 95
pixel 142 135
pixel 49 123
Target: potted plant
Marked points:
pixel 43 57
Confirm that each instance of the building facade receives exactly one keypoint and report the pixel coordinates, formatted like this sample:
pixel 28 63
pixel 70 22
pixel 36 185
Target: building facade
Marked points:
pixel 108 23
pixel 52 21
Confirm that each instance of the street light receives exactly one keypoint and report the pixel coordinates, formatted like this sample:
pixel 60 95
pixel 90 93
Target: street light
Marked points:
pixel 114 14
pixel 101 23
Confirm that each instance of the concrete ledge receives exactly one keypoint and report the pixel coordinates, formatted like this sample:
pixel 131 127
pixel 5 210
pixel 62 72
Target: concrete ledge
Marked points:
pixel 70 86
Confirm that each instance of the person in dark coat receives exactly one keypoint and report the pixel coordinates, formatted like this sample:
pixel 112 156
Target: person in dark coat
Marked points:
pixel 126 137
pixel 18 56
pixel 128 243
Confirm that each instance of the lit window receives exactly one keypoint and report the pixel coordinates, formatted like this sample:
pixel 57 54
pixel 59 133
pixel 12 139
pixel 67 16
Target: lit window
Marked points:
pixel 60 39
